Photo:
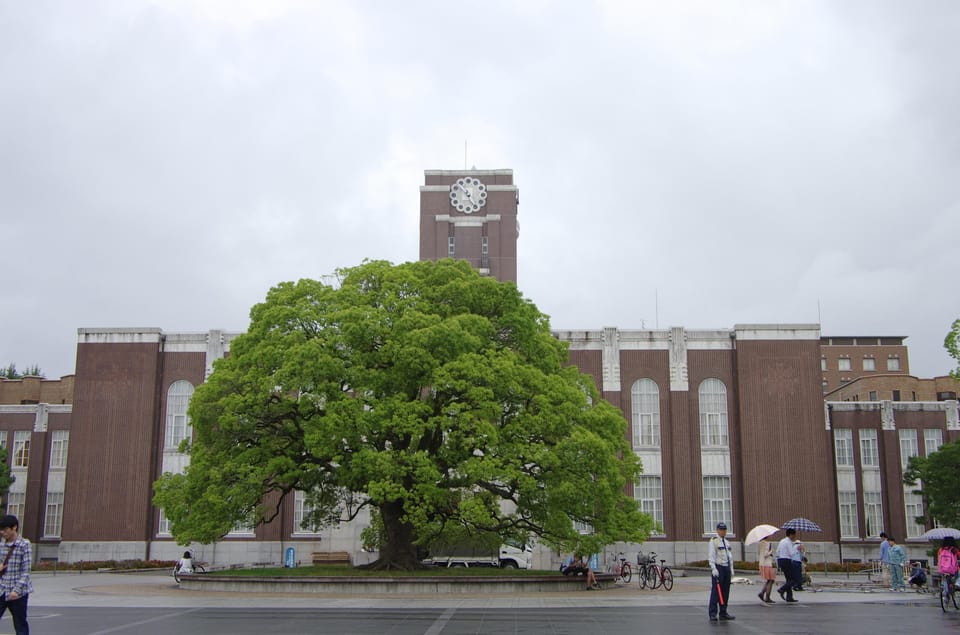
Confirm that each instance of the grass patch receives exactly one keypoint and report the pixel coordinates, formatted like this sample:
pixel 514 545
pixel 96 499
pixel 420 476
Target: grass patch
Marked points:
pixel 342 571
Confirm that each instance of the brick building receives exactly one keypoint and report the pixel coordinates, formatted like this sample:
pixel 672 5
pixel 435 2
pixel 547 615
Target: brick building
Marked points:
pixel 730 424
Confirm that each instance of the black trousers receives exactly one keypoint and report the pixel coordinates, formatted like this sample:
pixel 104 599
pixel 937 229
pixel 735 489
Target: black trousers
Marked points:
pixel 724 583
pixel 786 565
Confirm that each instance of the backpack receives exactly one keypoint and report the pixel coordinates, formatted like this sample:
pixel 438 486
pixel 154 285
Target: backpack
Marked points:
pixel 947 561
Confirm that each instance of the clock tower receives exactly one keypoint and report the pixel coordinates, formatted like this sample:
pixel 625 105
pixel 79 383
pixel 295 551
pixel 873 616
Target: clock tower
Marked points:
pixel 471 215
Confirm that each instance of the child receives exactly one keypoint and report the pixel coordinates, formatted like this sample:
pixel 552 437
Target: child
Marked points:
pixel 897 557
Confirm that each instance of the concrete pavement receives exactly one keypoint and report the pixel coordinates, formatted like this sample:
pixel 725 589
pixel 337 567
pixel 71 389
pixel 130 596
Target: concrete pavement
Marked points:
pixel 158 590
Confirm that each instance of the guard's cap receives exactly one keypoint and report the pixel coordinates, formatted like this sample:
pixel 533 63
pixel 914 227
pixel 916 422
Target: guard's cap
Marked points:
pixel 721 525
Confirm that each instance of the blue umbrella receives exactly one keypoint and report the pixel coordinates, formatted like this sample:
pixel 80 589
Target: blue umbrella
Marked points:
pixel 939 533
pixel 801 524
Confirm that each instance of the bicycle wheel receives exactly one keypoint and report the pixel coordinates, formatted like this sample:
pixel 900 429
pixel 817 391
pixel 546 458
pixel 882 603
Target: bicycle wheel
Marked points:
pixel 642 576
pixel 627 573
pixel 944 600
pixel 667 578
pixel 199 568
pixel 176 576
pixel 656 578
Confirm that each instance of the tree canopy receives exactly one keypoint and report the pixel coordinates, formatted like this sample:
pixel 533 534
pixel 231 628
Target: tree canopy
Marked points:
pixel 433 396
pixel 938 475
pixel 952 343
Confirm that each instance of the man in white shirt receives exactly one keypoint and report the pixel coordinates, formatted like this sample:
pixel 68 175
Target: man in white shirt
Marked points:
pixel 721 567
pixel 786 551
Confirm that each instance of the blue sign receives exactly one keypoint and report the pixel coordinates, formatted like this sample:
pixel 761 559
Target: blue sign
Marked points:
pixel 289 559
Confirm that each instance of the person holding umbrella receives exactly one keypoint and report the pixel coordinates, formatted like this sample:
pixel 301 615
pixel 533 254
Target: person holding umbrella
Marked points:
pixel 785 552
pixel 721 567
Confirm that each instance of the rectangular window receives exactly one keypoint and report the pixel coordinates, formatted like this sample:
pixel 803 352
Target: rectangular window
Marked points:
pixel 301 509
pixel 647 432
pixel 823 363
pixel 717 506
pixel 908 446
pixel 873 513
pixel 893 363
pixel 869 455
pixel 826 386
pixel 451 246
pixel 164 527
pixel 15 503
pixel 843 446
pixel 21 448
pixel 932 440
pixel 713 429
pixel 53 519
pixel 648 492
pixel 3 439
pixel 873 395
pixel 843 364
pixel 896 395
pixel 869 363
pixel 849 527
pixel 59 440
pixel 913 509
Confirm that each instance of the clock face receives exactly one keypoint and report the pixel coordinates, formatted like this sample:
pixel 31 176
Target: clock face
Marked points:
pixel 468 195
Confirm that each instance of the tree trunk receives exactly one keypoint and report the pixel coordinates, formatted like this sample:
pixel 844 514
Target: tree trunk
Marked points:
pixel 398 550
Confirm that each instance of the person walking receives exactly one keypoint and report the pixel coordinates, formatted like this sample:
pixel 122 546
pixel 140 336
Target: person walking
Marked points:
pixel 785 551
pixel 721 567
pixel 768 571
pixel 797 558
pixel 15 586
pixel 897 557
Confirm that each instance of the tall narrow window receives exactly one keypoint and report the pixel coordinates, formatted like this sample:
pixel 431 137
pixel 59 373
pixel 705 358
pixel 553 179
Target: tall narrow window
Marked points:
pixel 645 403
pixel 913 510
pixel 53 518
pixel 21 448
pixel 451 246
pixel 178 424
pixel 713 414
pixel 59 440
pixel 164 527
pixel 873 513
pixel 648 492
pixel 843 446
pixel 717 505
pixel 15 503
pixel 849 527
pixel 869 456
pixel 908 446
pixel 301 509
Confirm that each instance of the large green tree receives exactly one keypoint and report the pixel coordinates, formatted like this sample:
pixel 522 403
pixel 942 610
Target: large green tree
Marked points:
pixel 433 396
pixel 938 476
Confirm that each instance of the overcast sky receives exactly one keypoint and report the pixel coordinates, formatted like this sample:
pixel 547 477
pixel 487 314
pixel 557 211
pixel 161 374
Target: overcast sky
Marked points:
pixel 697 164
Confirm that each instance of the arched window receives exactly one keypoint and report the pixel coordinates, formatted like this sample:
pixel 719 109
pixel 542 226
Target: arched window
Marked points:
pixel 713 414
pixel 178 424
pixel 645 405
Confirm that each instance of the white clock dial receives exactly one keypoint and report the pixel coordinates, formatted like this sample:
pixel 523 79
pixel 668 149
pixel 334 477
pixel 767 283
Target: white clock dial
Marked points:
pixel 468 195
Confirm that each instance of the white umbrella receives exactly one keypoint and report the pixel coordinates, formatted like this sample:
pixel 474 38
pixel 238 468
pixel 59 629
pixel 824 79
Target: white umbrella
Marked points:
pixel 939 533
pixel 758 533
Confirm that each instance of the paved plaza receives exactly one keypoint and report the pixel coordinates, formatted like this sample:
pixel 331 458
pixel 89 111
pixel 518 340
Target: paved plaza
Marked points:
pixel 151 603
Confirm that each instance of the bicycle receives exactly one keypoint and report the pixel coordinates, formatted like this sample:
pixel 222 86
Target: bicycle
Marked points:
pixel 653 574
pixel 197 568
pixel 621 569
pixel 948 592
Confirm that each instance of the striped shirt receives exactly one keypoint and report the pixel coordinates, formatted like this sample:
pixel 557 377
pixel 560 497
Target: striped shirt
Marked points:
pixel 16 577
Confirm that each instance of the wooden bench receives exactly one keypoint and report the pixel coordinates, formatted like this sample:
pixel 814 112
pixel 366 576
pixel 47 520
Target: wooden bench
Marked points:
pixel 330 557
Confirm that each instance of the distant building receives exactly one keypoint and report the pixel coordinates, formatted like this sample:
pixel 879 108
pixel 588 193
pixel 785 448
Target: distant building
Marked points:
pixel 843 359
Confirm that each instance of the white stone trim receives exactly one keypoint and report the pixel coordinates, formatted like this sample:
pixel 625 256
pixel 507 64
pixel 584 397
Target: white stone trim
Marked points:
pixel 497 172
pixel 474 220
pixel 777 331
pixel 611 359
pixel 119 336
